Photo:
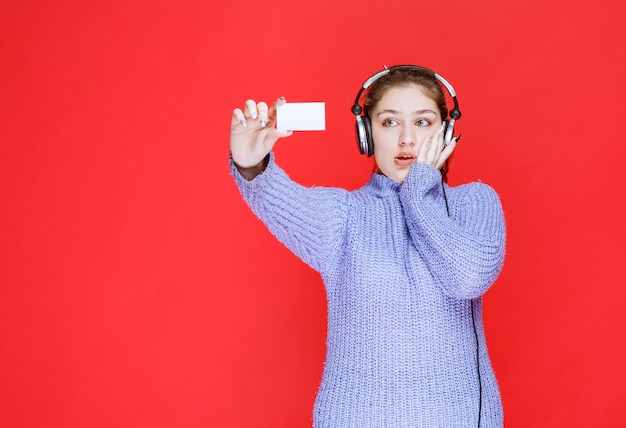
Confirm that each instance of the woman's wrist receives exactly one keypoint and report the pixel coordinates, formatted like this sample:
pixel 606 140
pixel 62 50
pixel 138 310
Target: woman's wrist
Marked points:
pixel 250 172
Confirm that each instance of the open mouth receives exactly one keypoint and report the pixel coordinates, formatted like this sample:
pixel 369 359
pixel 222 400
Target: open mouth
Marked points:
pixel 404 159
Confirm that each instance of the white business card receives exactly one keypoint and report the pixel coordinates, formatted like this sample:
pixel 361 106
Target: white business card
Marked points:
pixel 301 116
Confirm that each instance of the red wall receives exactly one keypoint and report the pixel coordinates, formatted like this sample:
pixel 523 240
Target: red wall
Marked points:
pixel 136 288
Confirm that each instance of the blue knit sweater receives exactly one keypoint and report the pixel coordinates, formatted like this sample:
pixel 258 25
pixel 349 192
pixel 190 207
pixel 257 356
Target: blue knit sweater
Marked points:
pixel 402 280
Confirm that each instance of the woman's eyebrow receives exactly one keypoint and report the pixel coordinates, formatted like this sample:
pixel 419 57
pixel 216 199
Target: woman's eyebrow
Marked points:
pixel 417 112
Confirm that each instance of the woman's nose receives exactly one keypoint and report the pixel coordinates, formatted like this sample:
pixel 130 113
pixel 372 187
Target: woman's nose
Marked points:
pixel 406 138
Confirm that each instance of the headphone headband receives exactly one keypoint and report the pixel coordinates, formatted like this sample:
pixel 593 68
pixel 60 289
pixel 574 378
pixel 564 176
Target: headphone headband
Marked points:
pixel 363 125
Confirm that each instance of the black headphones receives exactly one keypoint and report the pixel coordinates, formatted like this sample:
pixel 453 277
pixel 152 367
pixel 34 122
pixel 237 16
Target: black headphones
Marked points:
pixel 364 125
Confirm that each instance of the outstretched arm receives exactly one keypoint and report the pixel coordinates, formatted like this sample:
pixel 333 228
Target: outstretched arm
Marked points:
pixel 309 221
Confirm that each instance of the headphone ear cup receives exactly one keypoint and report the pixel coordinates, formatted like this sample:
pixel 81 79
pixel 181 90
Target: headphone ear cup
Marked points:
pixel 368 135
pixel 449 132
pixel 361 137
pixel 364 135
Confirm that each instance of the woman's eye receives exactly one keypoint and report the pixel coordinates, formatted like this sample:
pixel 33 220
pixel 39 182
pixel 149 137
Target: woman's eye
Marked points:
pixel 390 122
pixel 422 122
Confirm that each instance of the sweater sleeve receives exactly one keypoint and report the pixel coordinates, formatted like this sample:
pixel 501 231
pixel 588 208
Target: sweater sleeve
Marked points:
pixel 310 222
pixel 465 250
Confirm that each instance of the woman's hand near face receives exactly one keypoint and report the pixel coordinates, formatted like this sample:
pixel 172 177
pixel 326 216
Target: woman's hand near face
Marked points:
pixel 433 151
pixel 252 133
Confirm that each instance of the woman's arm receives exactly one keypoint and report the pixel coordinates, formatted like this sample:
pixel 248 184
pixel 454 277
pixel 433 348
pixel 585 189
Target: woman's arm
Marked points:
pixel 464 250
pixel 310 222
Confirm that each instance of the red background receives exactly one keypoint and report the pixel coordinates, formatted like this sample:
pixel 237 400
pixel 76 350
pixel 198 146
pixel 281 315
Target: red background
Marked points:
pixel 138 290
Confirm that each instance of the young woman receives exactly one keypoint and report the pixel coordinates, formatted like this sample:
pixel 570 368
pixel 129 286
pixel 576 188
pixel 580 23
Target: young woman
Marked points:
pixel 405 260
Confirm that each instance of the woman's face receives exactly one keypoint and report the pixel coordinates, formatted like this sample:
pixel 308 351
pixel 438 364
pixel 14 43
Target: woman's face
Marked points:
pixel 401 121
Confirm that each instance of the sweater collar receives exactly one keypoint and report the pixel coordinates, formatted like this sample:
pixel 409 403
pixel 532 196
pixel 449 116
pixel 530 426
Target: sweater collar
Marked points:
pixel 383 185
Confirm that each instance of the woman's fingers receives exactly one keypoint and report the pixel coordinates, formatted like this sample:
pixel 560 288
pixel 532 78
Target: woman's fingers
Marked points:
pixel 250 110
pixel 425 152
pixel 238 118
pixel 253 112
pixel 272 110
pixel 437 145
pixel 447 152
pixel 431 148
pixel 262 111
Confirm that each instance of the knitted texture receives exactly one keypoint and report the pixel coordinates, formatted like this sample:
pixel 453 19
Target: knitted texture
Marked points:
pixel 401 277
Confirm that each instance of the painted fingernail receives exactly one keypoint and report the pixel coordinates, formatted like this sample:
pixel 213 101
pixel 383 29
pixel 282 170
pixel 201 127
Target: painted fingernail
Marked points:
pixel 262 121
pixel 458 137
pixel 253 113
pixel 243 122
